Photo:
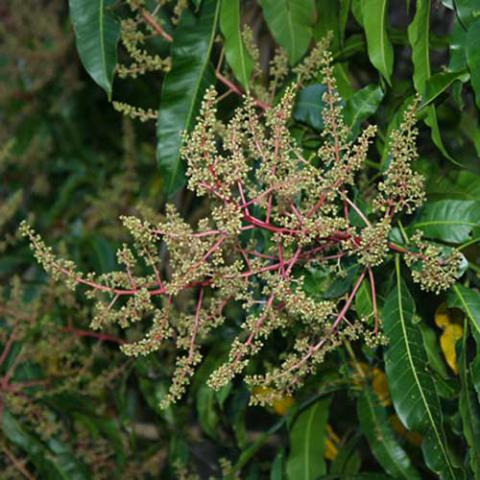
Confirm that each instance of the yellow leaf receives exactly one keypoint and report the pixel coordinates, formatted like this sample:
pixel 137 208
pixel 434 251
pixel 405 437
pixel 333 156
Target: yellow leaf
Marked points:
pixel 282 405
pixel 331 444
pixel 442 316
pixel 412 437
pixel 379 382
pixel 450 321
pixel 380 387
pixel 449 338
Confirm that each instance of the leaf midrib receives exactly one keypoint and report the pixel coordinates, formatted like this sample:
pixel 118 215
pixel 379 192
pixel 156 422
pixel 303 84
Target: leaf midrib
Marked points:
pixel 197 86
pixel 379 425
pixel 412 366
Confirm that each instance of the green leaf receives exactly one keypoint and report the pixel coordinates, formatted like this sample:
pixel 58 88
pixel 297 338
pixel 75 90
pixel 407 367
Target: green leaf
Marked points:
pixel 473 57
pixel 307 442
pixel 53 462
pixel 380 49
pixel 469 408
pixel 467 300
pixel 432 349
pixel 438 84
pixel 290 22
pixel 374 423
pixel 276 472
pixel 237 56
pixel 410 383
pixel 448 220
pixel 309 106
pixel 419 38
pixel 332 18
pixel 467 11
pixel 457 41
pixel 96 35
pixel 183 88
pixel 361 105
pixel 363 301
pixel 206 408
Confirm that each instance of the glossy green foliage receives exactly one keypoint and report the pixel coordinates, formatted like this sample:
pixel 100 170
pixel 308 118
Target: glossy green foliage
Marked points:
pixel 72 405
pixel 96 35
pixel 191 72
pixel 238 57
pixel 411 384
pixel 290 22
pixel 307 440
pixel 386 448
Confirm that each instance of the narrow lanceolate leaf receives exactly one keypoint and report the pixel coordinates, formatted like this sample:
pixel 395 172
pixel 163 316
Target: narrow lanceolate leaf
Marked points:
pixel 449 220
pixel 307 443
pixel 290 22
pixel 381 438
pixel 473 57
pixel 361 105
pixel 469 409
pixel 411 385
pixel 238 58
pixel 96 35
pixel 467 300
pixel 440 83
pixel 183 88
pixel 419 38
pixel 380 49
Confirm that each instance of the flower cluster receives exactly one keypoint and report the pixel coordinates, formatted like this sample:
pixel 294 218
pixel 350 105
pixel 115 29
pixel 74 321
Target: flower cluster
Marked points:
pixel 274 214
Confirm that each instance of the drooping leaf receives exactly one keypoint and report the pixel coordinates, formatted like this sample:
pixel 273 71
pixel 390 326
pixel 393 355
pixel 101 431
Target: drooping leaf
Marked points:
pixel 380 49
pixel 96 35
pixel 237 56
pixel 432 349
pixel 467 300
pixel 361 105
pixel 469 409
pixel 332 18
pixel 184 87
pixel 309 106
pixel 411 385
pixel 363 301
pixel 276 472
pixel 207 414
pixel 438 84
pixel 374 423
pixel 457 46
pixel 290 22
pixel 473 57
pixel 419 38
pixel 307 442
pixel 449 220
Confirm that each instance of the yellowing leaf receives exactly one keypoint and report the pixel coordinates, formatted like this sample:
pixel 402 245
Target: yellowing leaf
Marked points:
pixel 331 444
pixel 412 437
pixel 379 382
pixel 380 387
pixel 449 338
pixel 442 318
pixel 280 403
pixel 450 321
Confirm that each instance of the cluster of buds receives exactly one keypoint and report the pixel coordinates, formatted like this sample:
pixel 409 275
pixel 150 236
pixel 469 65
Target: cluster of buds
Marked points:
pixel 274 214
